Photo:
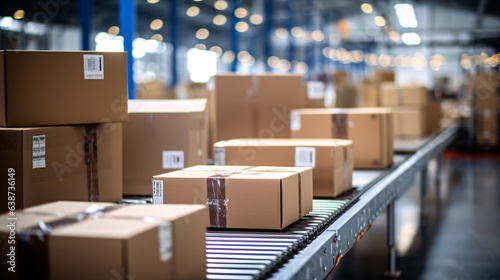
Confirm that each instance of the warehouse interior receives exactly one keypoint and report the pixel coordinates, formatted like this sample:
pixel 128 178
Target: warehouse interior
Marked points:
pixel 265 139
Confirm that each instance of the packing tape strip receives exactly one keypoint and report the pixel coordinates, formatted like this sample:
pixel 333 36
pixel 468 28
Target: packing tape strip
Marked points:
pixel 339 126
pixel 90 136
pixel 216 199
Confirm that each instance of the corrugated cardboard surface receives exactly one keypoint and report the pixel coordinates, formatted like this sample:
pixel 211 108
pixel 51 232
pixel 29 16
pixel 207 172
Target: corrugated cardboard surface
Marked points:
pixel 188 234
pixel 370 129
pixel 410 121
pixel 262 104
pixel 328 179
pixel 305 177
pixel 434 116
pixel 57 87
pixel 158 126
pixel 65 176
pixel 251 200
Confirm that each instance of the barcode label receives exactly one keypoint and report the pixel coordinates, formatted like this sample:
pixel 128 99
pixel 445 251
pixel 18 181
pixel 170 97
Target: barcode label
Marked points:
pixel 305 156
pixel 315 90
pixel 93 66
pixel 220 156
pixel 173 159
pixel 157 192
pixel 165 238
pixel 39 151
pixel 294 121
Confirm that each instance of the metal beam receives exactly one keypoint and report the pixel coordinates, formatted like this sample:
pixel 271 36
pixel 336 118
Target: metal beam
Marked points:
pixel 268 26
pixel 127 16
pixel 235 36
pixel 174 27
pixel 85 13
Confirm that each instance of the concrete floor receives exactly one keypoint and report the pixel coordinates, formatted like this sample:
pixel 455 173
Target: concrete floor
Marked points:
pixel 458 237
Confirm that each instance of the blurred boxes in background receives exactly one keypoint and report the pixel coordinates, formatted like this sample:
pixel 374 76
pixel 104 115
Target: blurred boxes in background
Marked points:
pixel 154 89
pixel 485 89
pixel 191 90
pixel 370 129
pixel 382 75
pixel 392 95
pixel 44 164
pixel 40 88
pixel 145 241
pixel 243 106
pixel 331 159
pixel 410 121
pixel 161 136
pixel 243 199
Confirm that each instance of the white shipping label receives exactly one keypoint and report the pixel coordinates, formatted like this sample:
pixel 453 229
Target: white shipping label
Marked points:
pixel 220 156
pixel 93 66
pixel 173 159
pixel 165 236
pixel 295 121
pixel 305 156
pixel 157 192
pixel 315 90
pixel 39 160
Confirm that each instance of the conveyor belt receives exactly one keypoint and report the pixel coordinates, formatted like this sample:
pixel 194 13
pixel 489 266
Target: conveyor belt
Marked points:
pixel 242 254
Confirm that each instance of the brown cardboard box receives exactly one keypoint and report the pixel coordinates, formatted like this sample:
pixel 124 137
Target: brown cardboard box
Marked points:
pixel 64 166
pixel 161 136
pixel 106 248
pixel 40 88
pixel 486 88
pixel 69 208
pixel 305 179
pixel 392 94
pixel 384 75
pixel 410 121
pixel 340 77
pixel 261 103
pixel 434 114
pixel 346 95
pixel 370 129
pixel 326 156
pixel 369 94
pixel 23 255
pixel 187 235
pixel 154 89
pixel 246 200
pixel 315 93
pixel 192 90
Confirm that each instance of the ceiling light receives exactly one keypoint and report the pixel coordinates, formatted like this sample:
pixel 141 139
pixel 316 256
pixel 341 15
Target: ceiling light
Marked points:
pixel 202 33
pixel 410 38
pixel 192 11
pixel 220 5
pixel 406 15
pixel 241 13
pixel 366 8
pixel 256 19
pixel 241 26
pixel 156 24
pixel 19 14
pixel 379 20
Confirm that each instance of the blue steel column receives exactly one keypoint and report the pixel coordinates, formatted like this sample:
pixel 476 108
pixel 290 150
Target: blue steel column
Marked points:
pixel 127 15
pixel 289 25
pixel 235 36
pixel 268 26
pixel 174 27
pixel 85 13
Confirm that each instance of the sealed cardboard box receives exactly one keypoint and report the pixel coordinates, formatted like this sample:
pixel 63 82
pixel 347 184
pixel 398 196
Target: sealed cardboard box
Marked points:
pixel 22 245
pixel 161 136
pixel 410 121
pixel 105 248
pixel 384 75
pixel 262 104
pixel 370 130
pixel 70 208
pixel 346 95
pixel 45 164
pixel 325 156
pixel 63 88
pixel 369 93
pixel 305 179
pixel 315 93
pixel 434 114
pixel 245 200
pixel 392 94
pixel 188 228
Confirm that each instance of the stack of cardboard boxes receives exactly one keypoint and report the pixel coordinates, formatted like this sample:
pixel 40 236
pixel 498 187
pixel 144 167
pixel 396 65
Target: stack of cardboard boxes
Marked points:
pixel 60 114
pixel 161 136
pixel 82 240
pixel 486 87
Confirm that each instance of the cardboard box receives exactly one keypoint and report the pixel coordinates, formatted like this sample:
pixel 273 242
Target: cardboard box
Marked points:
pixel 384 75
pixel 161 136
pixel 486 88
pixel 188 230
pixel 370 129
pixel 262 104
pixel 346 95
pixel 325 156
pixel 245 200
pixel 70 208
pixel 41 88
pixel 392 94
pixel 315 93
pixel 410 121
pixel 305 179
pixel 340 77
pixel 434 114
pixel 22 246
pixel 369 94
pixel 45 164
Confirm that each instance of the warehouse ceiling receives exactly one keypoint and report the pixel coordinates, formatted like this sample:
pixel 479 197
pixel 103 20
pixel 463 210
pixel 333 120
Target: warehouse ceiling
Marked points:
pixel 105 14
